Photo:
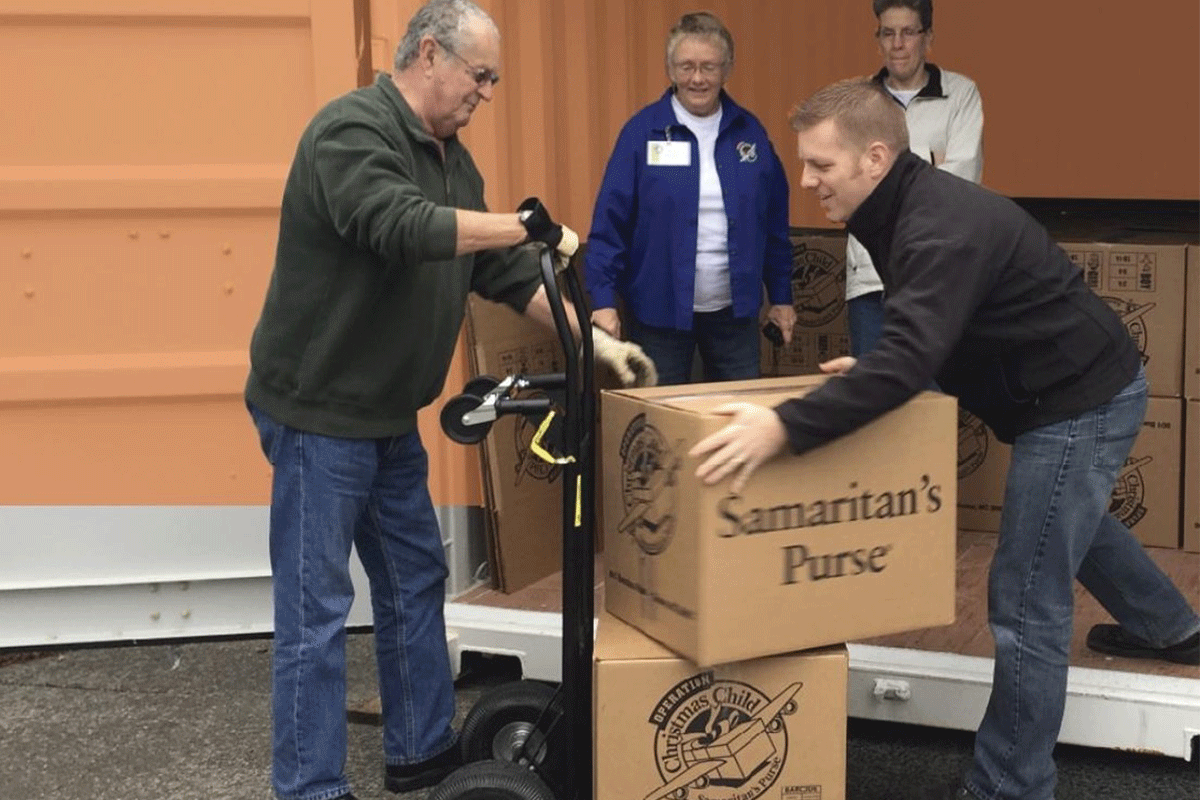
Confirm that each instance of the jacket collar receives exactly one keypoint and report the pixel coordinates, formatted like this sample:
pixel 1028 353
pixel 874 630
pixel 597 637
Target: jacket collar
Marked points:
pixel 932 87
pixel 662 115
pixel 874 222
pixel 406 116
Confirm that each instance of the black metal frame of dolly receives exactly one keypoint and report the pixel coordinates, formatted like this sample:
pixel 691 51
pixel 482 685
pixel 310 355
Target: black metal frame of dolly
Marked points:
pixel 529 740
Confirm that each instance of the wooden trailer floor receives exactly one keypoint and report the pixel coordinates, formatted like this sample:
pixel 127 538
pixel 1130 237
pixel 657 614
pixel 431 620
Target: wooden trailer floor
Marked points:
pixel 969 635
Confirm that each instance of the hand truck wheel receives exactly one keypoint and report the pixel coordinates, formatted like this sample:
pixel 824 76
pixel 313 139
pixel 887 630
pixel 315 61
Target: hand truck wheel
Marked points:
pixel 452 419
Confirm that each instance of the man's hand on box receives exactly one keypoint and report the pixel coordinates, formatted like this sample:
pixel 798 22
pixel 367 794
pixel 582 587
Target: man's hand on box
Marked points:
pixel 784 318
pixel 754 436
pixel 838 366
pixel 632 366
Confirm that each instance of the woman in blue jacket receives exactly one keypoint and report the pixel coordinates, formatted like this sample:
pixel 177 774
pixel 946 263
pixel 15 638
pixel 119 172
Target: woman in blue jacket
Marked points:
pixel 691 222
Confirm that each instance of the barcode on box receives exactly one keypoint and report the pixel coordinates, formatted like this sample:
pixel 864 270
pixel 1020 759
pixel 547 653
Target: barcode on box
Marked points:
pixel 802 792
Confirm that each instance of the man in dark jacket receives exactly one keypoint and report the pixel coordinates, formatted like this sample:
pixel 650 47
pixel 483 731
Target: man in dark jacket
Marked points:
pixel 382 234
pixel 980 299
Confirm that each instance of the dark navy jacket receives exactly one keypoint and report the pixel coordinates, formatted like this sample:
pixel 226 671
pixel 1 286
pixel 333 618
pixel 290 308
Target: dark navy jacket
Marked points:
pixel 642 244
pixel 978 298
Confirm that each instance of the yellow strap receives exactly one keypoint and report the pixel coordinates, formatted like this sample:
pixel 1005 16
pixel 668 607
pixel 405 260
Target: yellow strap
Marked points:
pixel 536 444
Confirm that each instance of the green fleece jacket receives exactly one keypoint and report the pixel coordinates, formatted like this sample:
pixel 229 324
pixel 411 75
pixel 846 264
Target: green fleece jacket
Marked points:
pixel 367 297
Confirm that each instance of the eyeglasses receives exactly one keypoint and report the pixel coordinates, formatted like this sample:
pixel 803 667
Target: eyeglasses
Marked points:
pixel 481 75
pixel 905 34
pixel 706 68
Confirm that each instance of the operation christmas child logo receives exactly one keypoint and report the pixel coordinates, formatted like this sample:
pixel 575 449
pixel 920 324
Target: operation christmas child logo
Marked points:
pixel 719 739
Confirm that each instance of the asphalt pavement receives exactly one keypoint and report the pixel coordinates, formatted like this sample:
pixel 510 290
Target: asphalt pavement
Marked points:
pixel 187 721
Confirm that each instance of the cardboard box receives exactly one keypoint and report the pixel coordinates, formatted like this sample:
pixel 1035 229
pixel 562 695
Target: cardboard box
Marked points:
pixel 822 331
pixel 770 729
pixel 1191 358
pixel 1191 478
pixel 1145 285
pixel 1145 497
pixel 850 540
pixel 1146 494
pixel 982 474
pixel 522 492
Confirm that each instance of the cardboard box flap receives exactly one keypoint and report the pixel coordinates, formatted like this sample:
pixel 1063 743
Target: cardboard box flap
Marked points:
pixel 703 398
pixel 1124 237
pixel 617 641
pixel 792 382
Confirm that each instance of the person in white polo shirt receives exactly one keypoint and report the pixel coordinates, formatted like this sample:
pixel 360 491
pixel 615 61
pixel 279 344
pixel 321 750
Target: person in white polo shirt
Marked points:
pixel 945 127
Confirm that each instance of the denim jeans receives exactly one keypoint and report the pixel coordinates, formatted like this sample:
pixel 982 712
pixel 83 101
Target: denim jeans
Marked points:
pixel 1055 527
pixel 865 317
pixel 729 347
pixel 327 494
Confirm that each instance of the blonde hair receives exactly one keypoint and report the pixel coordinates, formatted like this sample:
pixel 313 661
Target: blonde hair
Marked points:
pixel 861 109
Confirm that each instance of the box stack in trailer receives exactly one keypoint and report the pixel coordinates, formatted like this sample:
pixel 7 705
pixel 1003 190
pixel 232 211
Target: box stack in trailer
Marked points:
pixel 822 330
pixel 1191 392
pixel 1145 281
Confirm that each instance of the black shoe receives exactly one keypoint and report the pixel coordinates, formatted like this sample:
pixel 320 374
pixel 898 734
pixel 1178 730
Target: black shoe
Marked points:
pixel 1114 640
pixel 407 777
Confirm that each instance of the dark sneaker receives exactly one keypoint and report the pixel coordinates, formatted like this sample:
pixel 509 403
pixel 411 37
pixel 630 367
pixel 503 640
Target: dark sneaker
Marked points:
pixel 408 777
pixel 1114 640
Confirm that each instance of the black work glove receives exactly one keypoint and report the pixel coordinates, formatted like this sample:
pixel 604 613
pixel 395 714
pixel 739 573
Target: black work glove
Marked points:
pixel 540 228
pixel 537 222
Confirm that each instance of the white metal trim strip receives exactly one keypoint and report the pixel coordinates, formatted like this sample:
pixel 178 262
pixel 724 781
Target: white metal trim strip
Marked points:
pixel 1105 708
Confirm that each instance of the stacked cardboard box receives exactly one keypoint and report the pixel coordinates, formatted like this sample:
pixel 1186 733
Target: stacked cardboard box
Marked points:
pixel 772 728
pixel 1191 391
pixel 819 296
pixel 819 549
pixel 1145 497
pixel 843 542
pixel 1191 475
pixel 1145 282
pixel 523 493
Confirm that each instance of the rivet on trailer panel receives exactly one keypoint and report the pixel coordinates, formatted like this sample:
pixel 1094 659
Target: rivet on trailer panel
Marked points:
pixel 29 292
pixel 133 234
pixel 187 614
pixel 164 234
pixel 26 253
pixel 228 287
pixel 155 617
pixel 227 248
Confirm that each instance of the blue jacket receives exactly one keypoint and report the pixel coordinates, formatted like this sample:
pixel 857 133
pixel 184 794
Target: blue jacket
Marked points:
pixel 642 243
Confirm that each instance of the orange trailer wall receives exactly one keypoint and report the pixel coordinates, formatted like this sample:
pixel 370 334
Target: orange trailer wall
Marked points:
pixel 147 142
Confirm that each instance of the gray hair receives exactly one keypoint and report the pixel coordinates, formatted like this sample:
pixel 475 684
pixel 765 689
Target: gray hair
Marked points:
pixel 444 20
pixel 700 23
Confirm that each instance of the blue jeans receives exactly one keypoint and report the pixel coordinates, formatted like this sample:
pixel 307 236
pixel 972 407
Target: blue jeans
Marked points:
pixel 1055 527
pixel 729 347
pixel 327 494
pixel 865 316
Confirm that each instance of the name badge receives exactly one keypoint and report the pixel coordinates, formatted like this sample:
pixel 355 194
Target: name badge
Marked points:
pixel 668 154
